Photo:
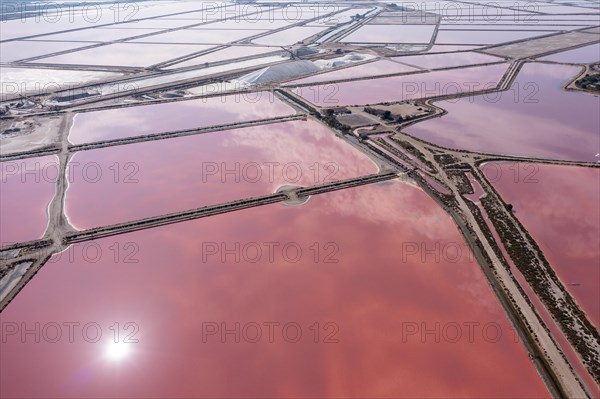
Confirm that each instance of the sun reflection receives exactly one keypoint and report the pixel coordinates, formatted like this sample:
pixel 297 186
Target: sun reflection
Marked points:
pixel 117 350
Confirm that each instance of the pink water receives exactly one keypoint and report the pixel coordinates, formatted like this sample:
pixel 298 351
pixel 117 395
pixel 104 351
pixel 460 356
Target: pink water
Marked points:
pixel 483 36
pixel 415 34
pixel 491 170
pixel 18 50
pixel 372 297
pixel 530 119
pixel 580 55
pixel 559 207
pixel 402 88
pixel 383 67
pixel 432 61
pixel 26 188
pixel 511 25
pixel 89 127
pixel 97 34
pixel 197 36
pixel 126 54
pixel 289 36
pixel 439 48
pixel 249 22
pixel 226 54
pixel 156 177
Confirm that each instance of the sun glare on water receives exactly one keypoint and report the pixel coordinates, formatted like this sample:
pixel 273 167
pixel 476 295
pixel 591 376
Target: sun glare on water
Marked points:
pixel 117 350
